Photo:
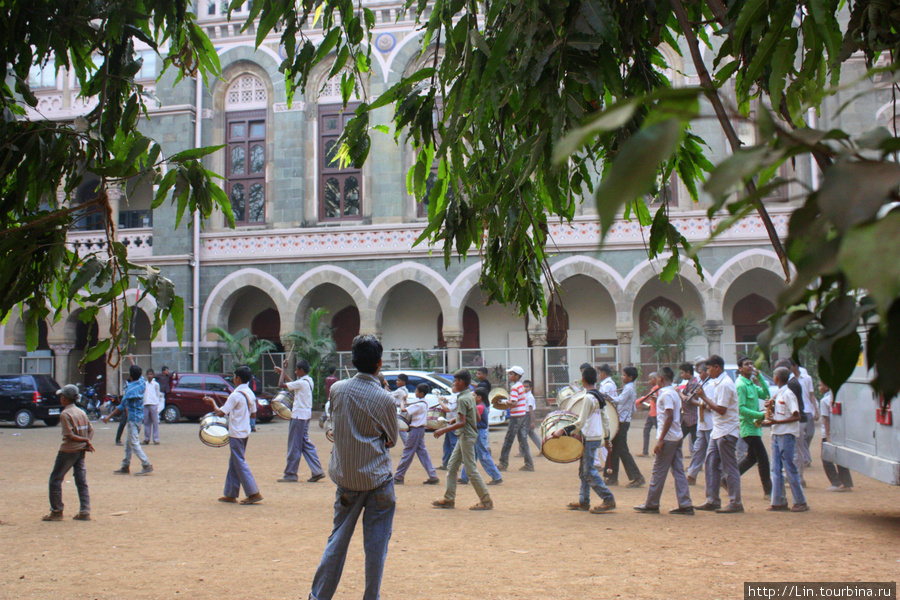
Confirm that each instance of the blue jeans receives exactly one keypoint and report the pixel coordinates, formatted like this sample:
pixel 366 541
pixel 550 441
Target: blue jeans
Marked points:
pixel 299 445
pixel 449 444
pixel 133 445
pixel 378 520
pixel 483 455
pixel 590 477
pixel 783 446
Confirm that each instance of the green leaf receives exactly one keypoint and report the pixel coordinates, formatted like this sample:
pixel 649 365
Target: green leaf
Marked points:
pixel 837 364
pixel 609 120
pixel 88 271
pixel 177 315
pixel 857 251
pixel 96 352
pixel 194 153
pixel 752 11
pixel 634 169
pixel 854 192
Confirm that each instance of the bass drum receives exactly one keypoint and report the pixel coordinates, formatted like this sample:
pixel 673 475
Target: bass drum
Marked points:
pixel 564 395
pixel 282 405
pixel 435 419
pixel 574 403
pixel 565 449
pixel 214 430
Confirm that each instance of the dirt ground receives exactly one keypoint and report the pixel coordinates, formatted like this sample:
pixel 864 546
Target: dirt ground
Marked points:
pixel 165 536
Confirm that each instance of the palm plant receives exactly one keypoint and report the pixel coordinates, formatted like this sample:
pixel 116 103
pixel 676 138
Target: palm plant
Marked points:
pixel 668 335
pixel 316 344
pixel 244 347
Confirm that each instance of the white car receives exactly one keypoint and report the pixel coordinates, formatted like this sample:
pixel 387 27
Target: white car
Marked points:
pixel 441 385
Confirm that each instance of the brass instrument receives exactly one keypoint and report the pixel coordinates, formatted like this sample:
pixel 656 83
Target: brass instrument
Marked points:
pixel 499 398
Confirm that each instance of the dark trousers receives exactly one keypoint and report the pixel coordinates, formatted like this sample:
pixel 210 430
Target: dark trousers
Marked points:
pixel 64 462
pixel 516 429
pixel 690 429
pixel 123 419
pixel 621 452
pixel 757 455
pixel 838 476
pixel 649 424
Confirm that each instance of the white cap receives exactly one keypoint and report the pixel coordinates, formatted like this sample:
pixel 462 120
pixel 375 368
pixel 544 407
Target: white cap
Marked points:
pixel 516 369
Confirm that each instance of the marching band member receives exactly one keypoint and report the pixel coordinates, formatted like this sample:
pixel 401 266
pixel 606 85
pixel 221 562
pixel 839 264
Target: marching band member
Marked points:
pixel 667 453
pixel 298 443
pixel 415 441
pixel 593 425
pixel 517 416
pixel 625 406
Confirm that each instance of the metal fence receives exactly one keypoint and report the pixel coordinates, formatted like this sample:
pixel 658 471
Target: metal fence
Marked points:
pixel 562 364
pixel 497 361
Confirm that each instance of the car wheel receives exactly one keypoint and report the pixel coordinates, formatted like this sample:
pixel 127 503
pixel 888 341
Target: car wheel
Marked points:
pixel 171 414
pixel 51 422
pixel 24 418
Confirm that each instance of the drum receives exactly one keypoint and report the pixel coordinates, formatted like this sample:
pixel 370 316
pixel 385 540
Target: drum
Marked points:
pixel 435 419
pixel 329 431
pixel 563 396
pixel 214 430
pixel 283 404
pixel 566 449
pixel 573 405
pixel 403 422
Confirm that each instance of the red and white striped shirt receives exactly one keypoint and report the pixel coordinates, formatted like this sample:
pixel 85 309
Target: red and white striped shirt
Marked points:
pixel 517 400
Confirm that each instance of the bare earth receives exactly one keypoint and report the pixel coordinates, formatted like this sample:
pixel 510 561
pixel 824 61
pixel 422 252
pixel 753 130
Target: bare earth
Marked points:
pixel 165 536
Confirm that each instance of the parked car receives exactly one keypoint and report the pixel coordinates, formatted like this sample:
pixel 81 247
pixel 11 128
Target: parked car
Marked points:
pixel 185 397
pixel 24 398
pixel 441 385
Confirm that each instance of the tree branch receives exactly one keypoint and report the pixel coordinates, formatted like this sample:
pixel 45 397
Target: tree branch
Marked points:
pixel 713 94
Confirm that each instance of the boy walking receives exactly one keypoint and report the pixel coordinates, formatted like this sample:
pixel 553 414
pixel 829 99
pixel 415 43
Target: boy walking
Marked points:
pixel 76 434
pixel 667 452
pixel 298 444
pixel 151 409
pixel 464 452
pixel 415 441
pixel 133 404
pixel 785 432
pixel 482 448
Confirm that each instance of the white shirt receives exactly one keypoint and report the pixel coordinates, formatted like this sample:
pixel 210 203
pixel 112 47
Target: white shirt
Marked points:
pixel 608 387
pixel 303 397
pixel 825 409
pixel 669 399
pixel 152 395
pixel 238 412
pixel 706 423
pixel 592 422
pixel 530 401
pixel 418 412
pixel 785 406
pixel 809 399
pixel 450 401
pixel 725 396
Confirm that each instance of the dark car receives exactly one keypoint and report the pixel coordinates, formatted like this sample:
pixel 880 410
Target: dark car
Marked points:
pixel 24 398
pixel 185 397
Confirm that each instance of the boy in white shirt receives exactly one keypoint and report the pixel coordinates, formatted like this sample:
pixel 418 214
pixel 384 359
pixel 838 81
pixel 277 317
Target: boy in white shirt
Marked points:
pixel 785 432
pixel 298 443
pixel 415 441
pixel 667 452
pixel 151 409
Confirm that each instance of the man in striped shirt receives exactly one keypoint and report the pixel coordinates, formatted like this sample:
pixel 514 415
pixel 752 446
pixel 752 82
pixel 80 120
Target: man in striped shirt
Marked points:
pixel 364 419
pixel 518 413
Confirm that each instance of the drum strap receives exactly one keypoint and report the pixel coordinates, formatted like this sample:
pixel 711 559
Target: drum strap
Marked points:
pixel 600 400
pixel 249 407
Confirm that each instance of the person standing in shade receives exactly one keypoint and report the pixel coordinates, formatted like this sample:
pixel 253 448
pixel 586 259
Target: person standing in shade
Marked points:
pixel 464 453
pixel 133 404
pixel 298 444
pixel 151 409
pixel 330 380
pixel 240 407
pixel 415 441
pixel 593 424
pixel 650 402
pixel 838 476
pixel 721 459
pixel 704 423
pixel 482 447
pixel 76 440
pixel 785 424
pixel 625 406
pixel 365 429
pixel 164 379
pixel 481 379
pixel 517 416
pixel 667 452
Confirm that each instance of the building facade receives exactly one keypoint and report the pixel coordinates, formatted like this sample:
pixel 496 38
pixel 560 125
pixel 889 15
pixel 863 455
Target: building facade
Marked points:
pixel 310 234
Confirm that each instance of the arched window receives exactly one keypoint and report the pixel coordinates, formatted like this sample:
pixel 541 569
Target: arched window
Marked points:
pixel 346 327
pixel 340 188
pixel 245 160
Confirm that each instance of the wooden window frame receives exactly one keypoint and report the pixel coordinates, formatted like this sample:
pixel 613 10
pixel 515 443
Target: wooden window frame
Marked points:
pixel 335 171
pixel 247 179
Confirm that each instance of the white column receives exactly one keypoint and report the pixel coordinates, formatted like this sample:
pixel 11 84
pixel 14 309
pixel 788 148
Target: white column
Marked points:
pixel 624 338
pixel 539 372
pixel 453 340
pixel 61 362
pixel 713 330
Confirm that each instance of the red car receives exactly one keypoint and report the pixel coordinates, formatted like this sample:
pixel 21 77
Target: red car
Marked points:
pixel 185 398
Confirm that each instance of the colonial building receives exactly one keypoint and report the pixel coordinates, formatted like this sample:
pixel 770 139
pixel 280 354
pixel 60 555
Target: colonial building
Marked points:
pixel 310 234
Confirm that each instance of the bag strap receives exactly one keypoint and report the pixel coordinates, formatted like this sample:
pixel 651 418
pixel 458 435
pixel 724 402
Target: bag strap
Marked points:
pixel 247 398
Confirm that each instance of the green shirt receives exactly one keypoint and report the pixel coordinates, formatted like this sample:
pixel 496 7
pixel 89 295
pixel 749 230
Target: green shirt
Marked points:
pixel 748 404
pixel 465 405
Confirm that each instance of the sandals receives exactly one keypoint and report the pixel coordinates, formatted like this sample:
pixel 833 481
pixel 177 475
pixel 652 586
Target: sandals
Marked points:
pixel 82 516
pixel 257 497
pixel 228 499
pixel 53 516
pixel 443 503
pixel 483 505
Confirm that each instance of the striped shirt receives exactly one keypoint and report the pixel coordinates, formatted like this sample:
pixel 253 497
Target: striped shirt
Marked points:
pixel 517 401
pixel 625 403
pixel 364 419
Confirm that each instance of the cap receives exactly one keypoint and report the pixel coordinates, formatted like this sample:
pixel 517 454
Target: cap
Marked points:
pixel 69 391
pixel 516 369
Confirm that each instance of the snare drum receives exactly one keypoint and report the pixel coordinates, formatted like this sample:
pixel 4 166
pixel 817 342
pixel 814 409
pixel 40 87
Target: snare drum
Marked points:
pixel 214 430
pixel 282 405
pixel 435 419
pixel 566 449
